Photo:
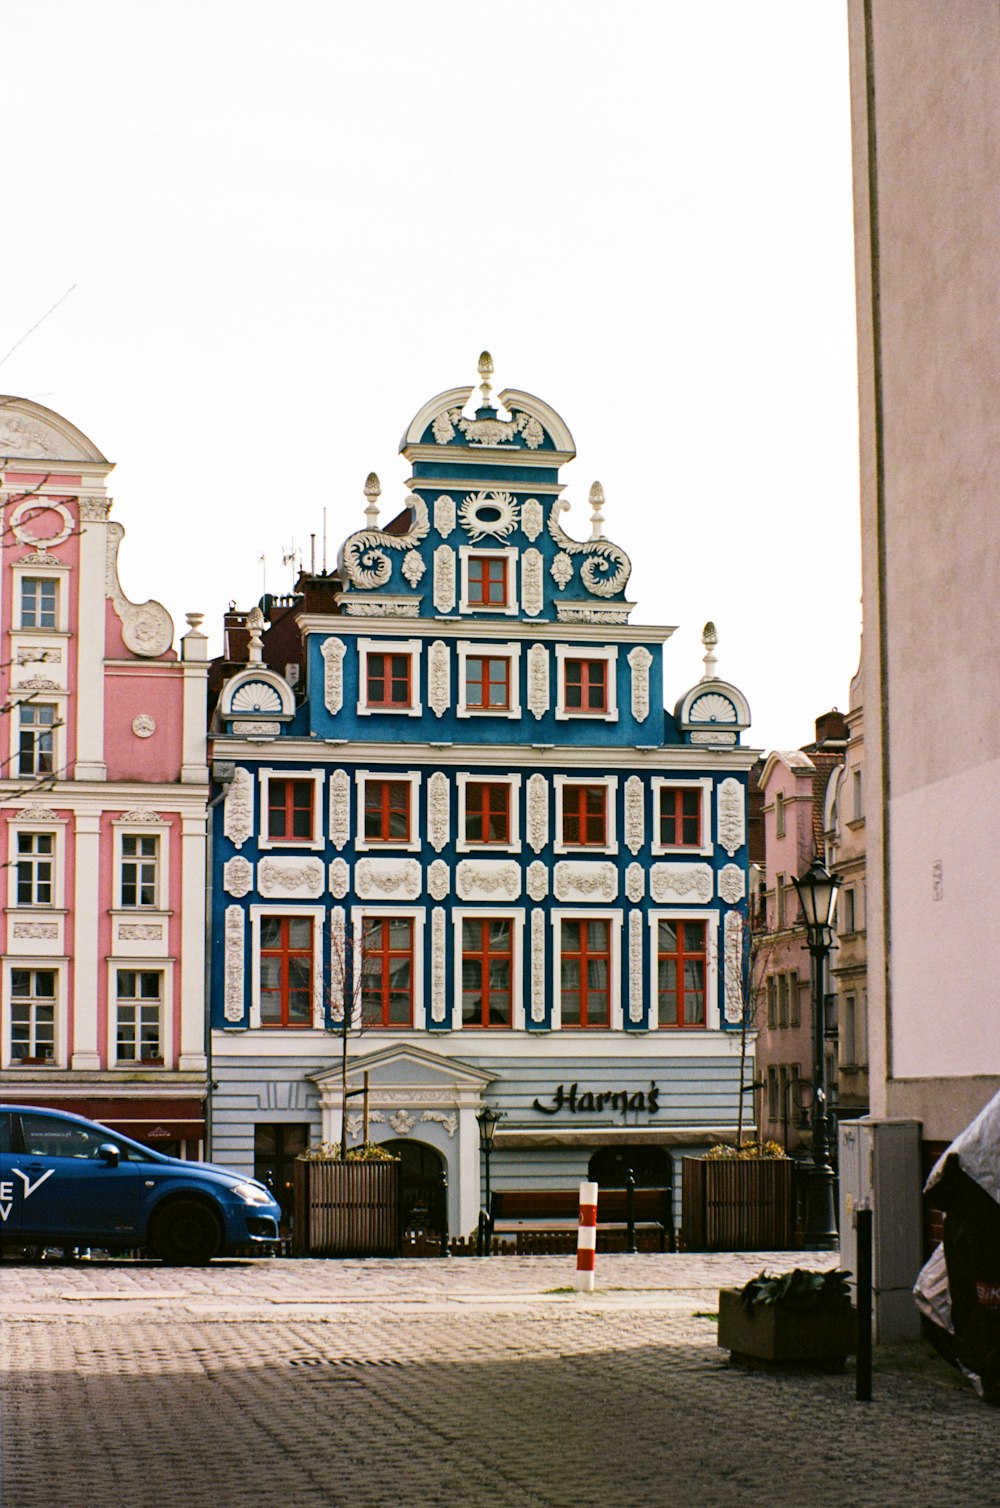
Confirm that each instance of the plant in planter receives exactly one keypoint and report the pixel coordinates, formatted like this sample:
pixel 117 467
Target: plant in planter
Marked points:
pixel 797 1320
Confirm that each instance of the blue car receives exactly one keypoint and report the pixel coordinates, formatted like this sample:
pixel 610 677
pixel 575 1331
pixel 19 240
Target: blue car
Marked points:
pixel 66 1181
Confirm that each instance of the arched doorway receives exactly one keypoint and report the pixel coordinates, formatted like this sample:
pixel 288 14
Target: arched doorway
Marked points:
pixel 652 1167
pixel 423 1191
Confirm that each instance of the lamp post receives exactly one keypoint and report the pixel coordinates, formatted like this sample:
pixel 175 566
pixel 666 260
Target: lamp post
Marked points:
pixel 817 891
pixel 488 1120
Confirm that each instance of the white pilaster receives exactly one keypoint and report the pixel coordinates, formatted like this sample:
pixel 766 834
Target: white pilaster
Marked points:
pixel 86 905
pixel 90 643
pixel 192 1038
pixel 194 652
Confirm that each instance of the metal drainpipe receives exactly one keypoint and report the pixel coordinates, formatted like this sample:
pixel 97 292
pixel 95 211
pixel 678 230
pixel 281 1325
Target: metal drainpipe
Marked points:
pixel 222 774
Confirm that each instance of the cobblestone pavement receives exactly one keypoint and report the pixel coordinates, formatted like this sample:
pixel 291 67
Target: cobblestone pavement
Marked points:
pixel 317 1384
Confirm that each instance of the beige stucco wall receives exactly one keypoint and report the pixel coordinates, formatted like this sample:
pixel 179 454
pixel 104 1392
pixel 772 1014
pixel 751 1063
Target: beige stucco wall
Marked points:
pixel 928 286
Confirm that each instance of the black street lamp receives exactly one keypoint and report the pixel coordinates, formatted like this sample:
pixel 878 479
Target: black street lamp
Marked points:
pixel 817 891
pixel 488 1120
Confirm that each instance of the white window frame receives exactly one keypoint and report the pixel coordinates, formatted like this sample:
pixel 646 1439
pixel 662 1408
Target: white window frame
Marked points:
pixel 490 649
pixel 587 850
pixel 316 914
pixel 606 652
pixel 515 915
pixel 57 573
pixel 613 915
pixel 686 914
pixel 412 778
pixel 49 829
pixel 165 968
pixel 58 700
pixel 409 647
pixel 55 966
pixel 287 845
pixel 44 578
pixel 511 555
pixel 417 915
pixel 704 785
pixel 161 830
pixel 462 781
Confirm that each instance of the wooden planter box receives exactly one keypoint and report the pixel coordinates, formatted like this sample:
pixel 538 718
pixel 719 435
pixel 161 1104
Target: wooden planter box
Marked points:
pixel 787 1336
pixel 737 1205
pixel 347 1209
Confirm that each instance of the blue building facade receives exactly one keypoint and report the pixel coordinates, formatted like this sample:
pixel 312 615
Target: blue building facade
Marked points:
pixel 478 848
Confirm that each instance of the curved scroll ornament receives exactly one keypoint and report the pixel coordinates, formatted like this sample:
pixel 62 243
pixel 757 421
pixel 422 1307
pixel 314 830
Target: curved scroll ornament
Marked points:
pixel 364 557
pixel 605 569
pixel 147 627
pixel 731 820
pixel 733 954
pixel 333 651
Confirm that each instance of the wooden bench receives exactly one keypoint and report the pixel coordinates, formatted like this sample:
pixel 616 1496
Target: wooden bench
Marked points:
pixel 515 1212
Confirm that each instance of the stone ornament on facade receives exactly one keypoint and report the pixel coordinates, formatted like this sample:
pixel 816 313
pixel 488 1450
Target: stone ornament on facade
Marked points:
pixel 339 982
pixel 94 510
pixel 333 651
pixel 37 814
pixel 444 515
pixel 537 965
pixel 489 514
pixel 438 816
pixel 487 880
pixel 538 680
pixel 237 809
pixel 141 814
pixel 635 814
pixel 605 569
pixel 580 612
pixel 439 677
pixel 538 880
pixel 27 513
pixel 532 599
pixel 143 726
pixel 441 1118
pixel 301 878
pixel 732 883
pixel 37 930
pixel 377 879
pixel 366 557
pixel 640 660
pixel 444 579
pixel 38 683
pixel 438 880
pixel 32 654
pixel 340 808
pixel 256 696
pixel 635 966
pixel 733 954
pixel 256 730
pixel 561 570
pixel 680 882
pixel 147 627
pixel 413 567
pixel 25 438
pixel 583 880
pixel 233 989
pixel 41 558
pixel 537 823
pixel 237 876
pixel 489 431
pixel 635 883
pixel 339 878
pixel 380 607
pixel 438 1000
pixel 140 932
pixel 402 1122
pixel 731 821
pixel 532 518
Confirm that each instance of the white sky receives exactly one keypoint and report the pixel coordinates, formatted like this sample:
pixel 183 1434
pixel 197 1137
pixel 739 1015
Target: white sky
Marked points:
pixel 288 227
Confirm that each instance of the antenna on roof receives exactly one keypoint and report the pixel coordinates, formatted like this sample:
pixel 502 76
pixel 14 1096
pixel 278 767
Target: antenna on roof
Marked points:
pixel 324 541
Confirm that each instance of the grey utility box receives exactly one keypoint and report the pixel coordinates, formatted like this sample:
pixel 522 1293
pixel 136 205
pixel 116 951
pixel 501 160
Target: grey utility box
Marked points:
pixel 880 1169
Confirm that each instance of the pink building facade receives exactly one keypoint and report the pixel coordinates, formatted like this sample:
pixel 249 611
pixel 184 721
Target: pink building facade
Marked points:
pixel 103 800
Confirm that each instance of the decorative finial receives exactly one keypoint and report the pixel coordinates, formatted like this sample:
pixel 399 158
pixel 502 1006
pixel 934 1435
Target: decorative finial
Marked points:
pixel 710 639
pixel 485 372
pixel 255 623
pixel 194 621
pixel 596 516
pixel 373 491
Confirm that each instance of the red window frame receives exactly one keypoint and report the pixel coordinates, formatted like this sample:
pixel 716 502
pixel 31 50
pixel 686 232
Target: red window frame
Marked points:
pixel 681 974
pixel 290 810
pixel 583 827
pixel 491 958
pixel 388 679
pixel 679 816
pixel 487 808
pixel 384 1000
pixel 582 953
pixel 281 938
pixel 481 676
pixel 585 686
pixel 384 800
pixel 485 574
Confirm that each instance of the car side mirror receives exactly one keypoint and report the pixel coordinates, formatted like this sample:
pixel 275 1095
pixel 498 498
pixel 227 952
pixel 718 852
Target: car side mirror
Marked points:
pixel 110 1154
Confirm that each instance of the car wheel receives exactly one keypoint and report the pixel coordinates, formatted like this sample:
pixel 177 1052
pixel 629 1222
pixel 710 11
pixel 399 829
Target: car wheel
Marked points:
pixel 186 1234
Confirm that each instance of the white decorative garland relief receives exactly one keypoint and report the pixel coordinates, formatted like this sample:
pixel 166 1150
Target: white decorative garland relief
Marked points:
pixel 439 677
pixel 635 966
pixel 679 882
pixel 733 952
pixel 635 883
pixel 233 993
pixel 397 878
pixel 532 518
pixel 640 660
pixel 732 883
pixel 333 651
pixel 340 808
pixel 237 818
pixel 438 1003
pixel 538 880
pixel 340 878
pixel 237 876
pixel 438 880
pixel 487 880
pixel 538 680
pixel 537 965
pixel 279 878
pixel 585 881
pixel 444 515
pixel 635 814
pixel 444 579
pixel 532 599
pixel 438 823
pixel 731 823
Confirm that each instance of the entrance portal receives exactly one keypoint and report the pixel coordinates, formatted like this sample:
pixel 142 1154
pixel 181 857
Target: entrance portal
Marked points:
pixel 423 1190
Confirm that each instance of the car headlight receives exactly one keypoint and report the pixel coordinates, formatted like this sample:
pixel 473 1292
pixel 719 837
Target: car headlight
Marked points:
pixel 251 1193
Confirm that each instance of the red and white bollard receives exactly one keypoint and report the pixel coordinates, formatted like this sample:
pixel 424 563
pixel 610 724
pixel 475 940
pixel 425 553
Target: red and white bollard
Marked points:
pixel 586 1238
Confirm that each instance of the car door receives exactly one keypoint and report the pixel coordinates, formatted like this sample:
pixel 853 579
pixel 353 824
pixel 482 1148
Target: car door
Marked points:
pixel 63 1187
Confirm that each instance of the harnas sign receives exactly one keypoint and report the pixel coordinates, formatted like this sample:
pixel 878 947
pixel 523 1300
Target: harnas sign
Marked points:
pixel 569 1099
